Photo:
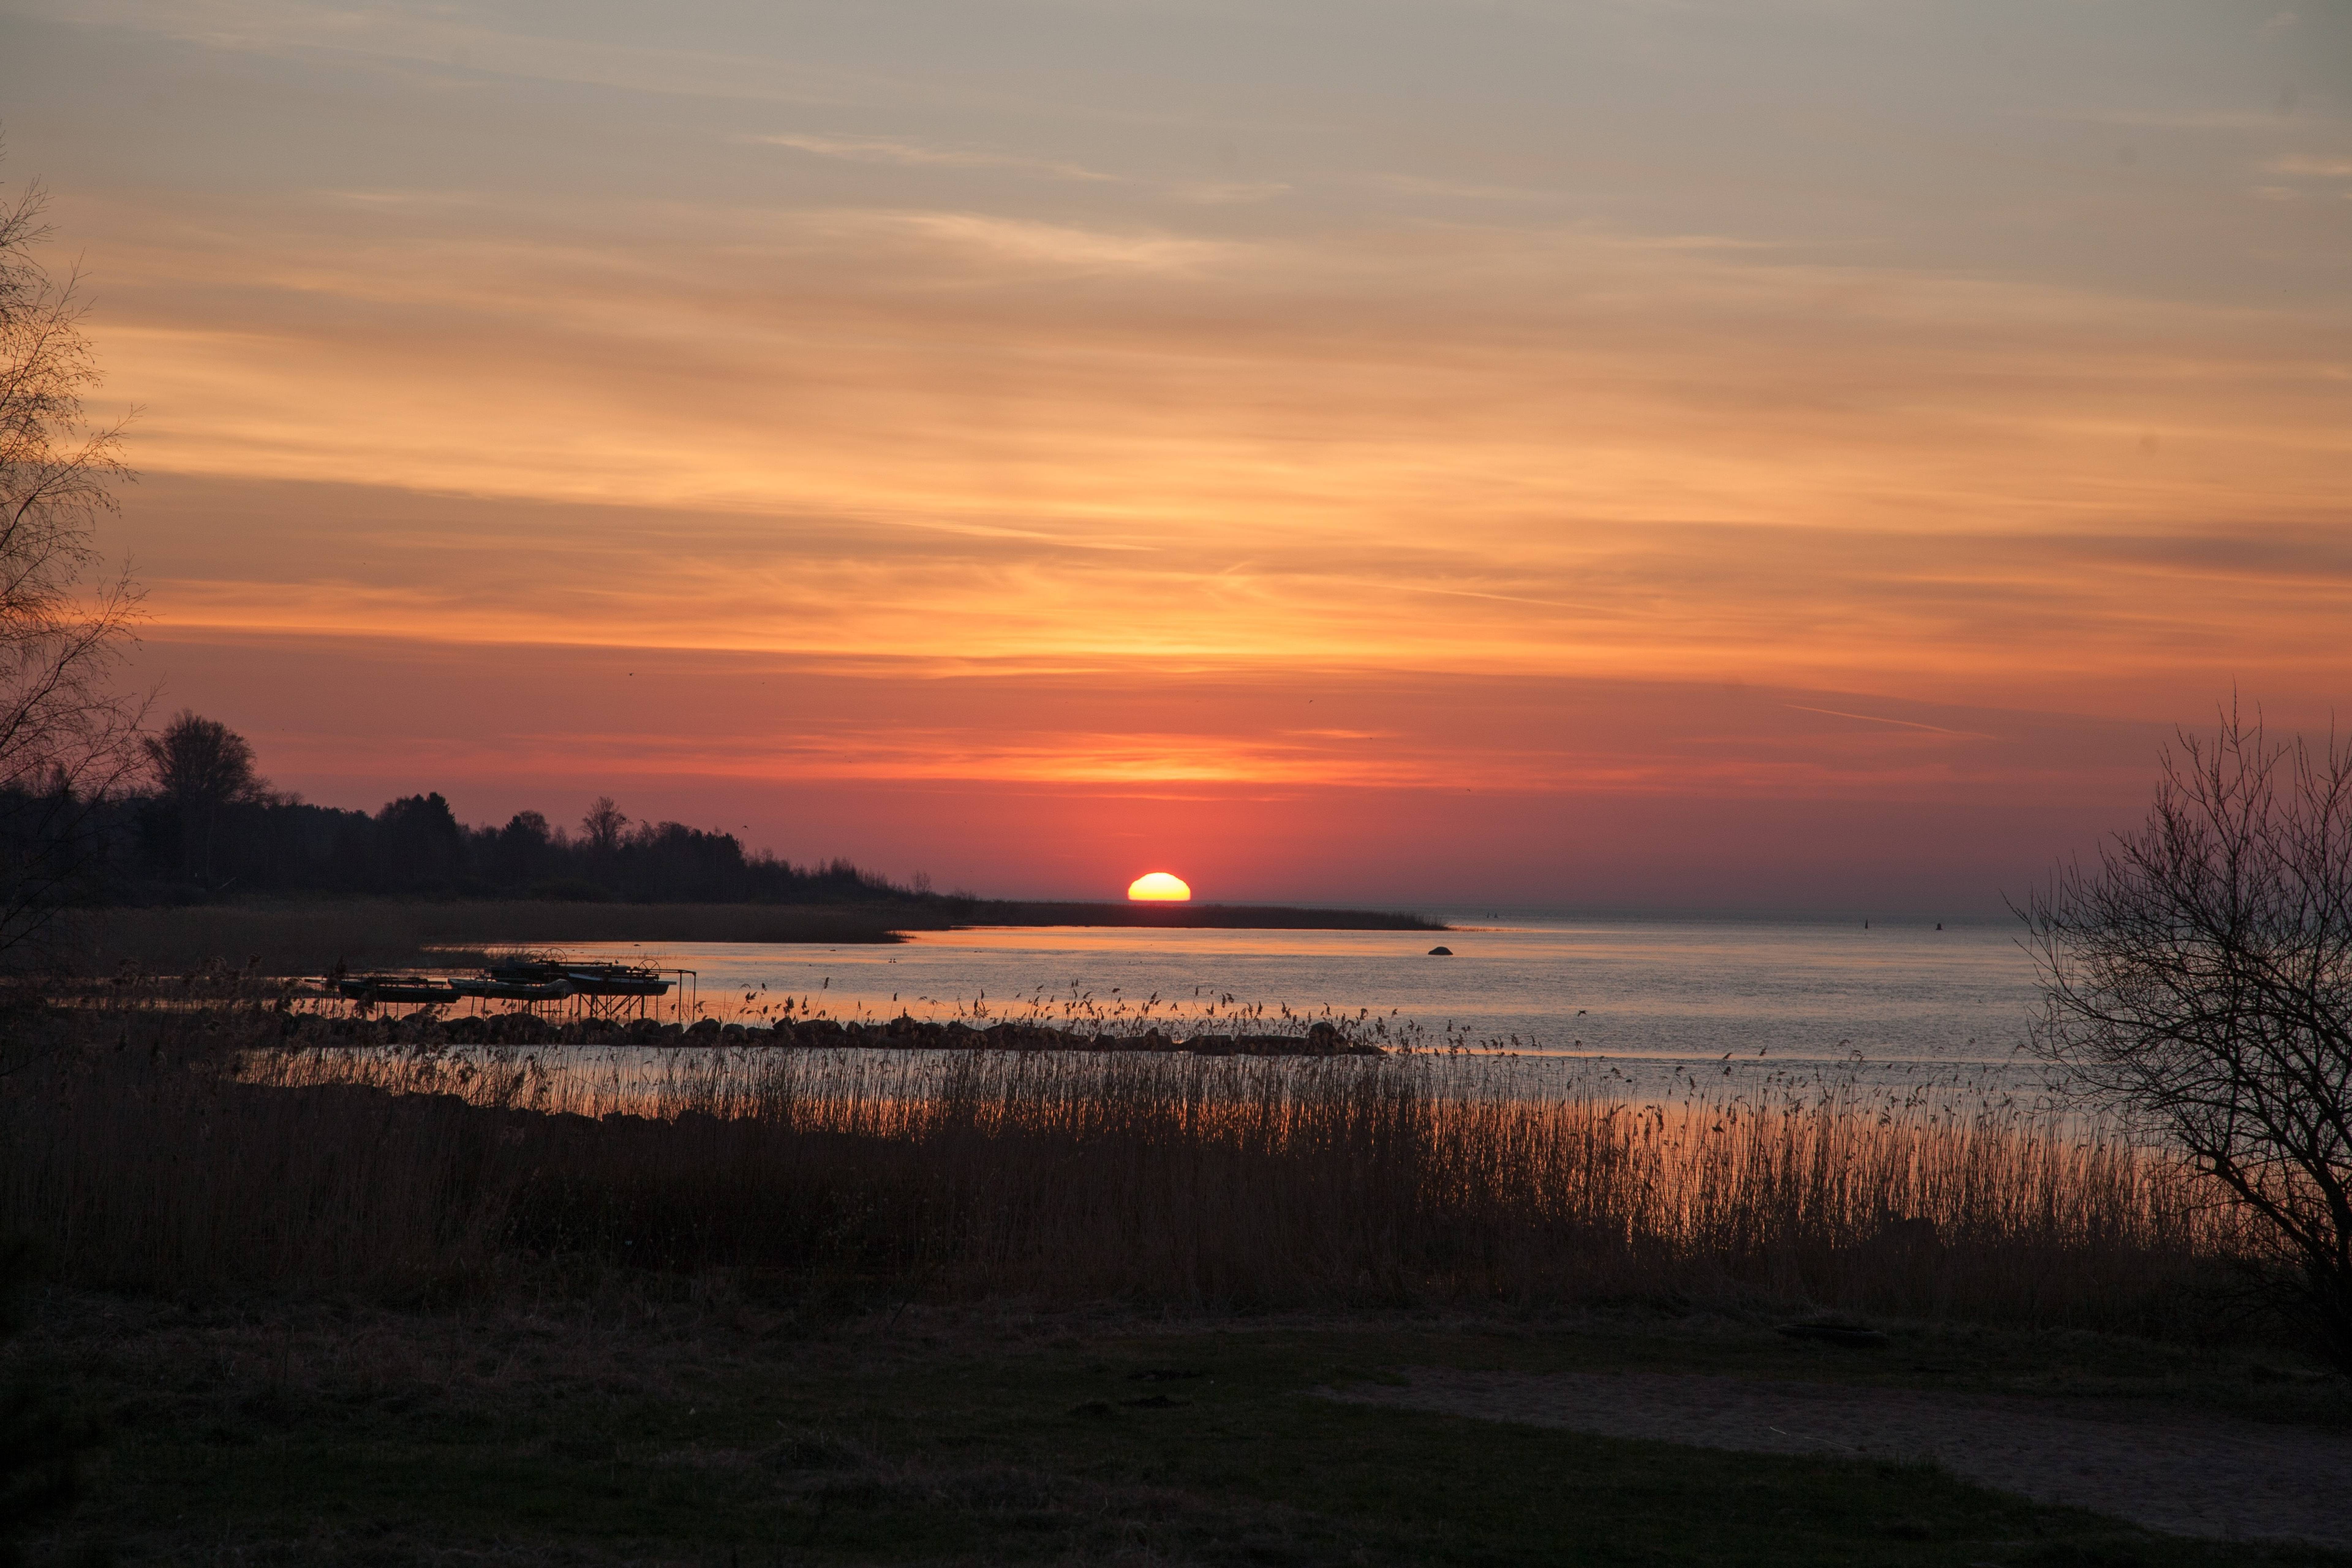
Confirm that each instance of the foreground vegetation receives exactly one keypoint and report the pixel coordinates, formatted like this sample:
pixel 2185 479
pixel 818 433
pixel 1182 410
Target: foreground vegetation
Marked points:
pixel 153 1146
pixel 793 1305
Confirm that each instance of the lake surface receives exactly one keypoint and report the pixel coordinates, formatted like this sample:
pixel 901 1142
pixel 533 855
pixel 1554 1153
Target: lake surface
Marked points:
pixel 1627 1007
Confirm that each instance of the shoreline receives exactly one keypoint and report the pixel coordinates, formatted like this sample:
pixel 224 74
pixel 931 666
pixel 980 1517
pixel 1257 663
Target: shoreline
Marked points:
pixel 312 936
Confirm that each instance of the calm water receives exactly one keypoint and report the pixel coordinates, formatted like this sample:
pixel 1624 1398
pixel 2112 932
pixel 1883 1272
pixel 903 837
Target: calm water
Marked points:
pixel 1616 1005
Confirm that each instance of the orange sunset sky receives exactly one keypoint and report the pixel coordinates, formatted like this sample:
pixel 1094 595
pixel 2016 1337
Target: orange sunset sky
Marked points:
pixel 1792 455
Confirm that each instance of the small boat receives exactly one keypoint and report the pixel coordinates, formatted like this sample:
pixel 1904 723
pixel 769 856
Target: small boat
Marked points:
pixel 615 980
pixel 398 988
pixel 497 989
pixel 526 970
pixel 586 979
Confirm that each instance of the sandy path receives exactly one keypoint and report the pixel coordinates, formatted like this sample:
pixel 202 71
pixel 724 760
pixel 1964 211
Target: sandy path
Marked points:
pixel 2211 1476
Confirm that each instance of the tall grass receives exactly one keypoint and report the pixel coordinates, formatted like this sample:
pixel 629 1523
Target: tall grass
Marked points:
pixel 158 1149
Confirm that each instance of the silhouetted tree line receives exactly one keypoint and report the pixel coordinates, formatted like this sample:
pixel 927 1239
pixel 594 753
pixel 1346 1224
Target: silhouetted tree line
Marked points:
pixel 202 824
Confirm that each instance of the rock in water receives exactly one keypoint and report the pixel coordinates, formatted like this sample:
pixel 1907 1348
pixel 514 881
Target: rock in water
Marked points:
pixel 1441 953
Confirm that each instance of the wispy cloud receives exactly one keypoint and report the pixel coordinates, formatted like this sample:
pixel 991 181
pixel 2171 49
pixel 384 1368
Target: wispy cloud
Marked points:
pixel 2313 168
pixel 1460 190
pixel 1025 243
pixel 917 154
pixel 1226 193
pixel 2227 119
pixel 440 39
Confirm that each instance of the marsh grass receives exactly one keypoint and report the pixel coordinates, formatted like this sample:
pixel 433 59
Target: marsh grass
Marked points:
pixel 194 1148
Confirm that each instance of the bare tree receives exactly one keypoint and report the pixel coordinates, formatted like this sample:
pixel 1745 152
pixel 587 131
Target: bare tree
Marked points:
pixel 2199 981
pixel 66 733
pixel 601 828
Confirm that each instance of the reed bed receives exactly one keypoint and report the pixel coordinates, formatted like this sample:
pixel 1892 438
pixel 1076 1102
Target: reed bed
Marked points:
pixel 149 1148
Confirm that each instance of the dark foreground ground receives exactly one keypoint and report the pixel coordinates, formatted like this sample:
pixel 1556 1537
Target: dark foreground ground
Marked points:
pixel 732 1430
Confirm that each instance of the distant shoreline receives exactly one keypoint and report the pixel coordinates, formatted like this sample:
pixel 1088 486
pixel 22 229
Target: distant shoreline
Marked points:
pixel 1179 916
pixel 292 936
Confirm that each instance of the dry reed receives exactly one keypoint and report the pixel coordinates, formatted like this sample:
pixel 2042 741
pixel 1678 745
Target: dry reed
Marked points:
pixel 155 1148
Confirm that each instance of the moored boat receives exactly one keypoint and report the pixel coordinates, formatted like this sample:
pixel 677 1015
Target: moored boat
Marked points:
pixel 526 970
pixel 403 988
pixel 615 980
pixel 498 989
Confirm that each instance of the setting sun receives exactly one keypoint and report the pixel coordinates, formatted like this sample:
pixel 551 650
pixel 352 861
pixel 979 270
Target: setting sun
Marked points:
pixel 1160 886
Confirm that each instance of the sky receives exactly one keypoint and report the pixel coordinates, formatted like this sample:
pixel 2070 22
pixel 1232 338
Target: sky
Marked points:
pixel 1791 454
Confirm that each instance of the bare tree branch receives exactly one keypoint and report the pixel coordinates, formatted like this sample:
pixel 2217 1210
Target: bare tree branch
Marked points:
pixel 67 735
pixel 2199 981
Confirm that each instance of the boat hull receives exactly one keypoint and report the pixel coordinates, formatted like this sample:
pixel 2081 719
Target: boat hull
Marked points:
pixel 514 990
pixel 430 993
pixel 617 985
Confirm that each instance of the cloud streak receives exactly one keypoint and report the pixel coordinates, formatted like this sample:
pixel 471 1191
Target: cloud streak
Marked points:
pixel 913 155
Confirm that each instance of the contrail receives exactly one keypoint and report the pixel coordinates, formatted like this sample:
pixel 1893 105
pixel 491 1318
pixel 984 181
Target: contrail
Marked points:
pixel 1906 723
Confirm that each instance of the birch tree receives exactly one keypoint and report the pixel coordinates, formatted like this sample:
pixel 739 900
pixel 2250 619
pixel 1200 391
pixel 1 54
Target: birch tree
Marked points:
pixel 66 730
